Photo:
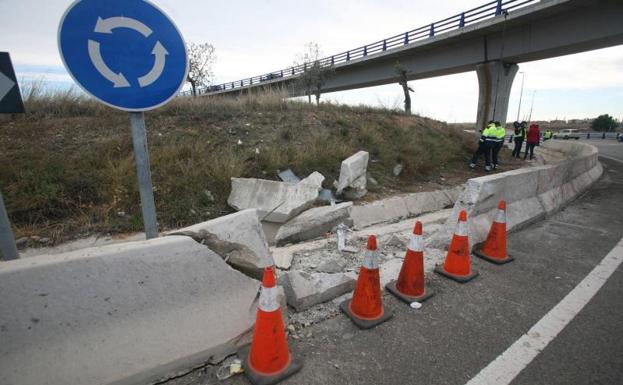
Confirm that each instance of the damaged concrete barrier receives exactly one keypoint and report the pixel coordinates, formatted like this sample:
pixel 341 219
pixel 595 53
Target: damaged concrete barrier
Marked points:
pixel 402 206
pixel 238 238
pixel 304 290
pixel 132 313
pixel 352 182
pixel 274 201
pixel 314 223
pixel 530 193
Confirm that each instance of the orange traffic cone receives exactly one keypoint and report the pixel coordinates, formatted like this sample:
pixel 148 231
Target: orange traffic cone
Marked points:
pixel 410 286
pixel 365 309
pixel 494 248
pixel 269 360
pixel 457 265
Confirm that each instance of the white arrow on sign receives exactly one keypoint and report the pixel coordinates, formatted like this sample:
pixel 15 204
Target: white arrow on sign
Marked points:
pixel 160 54
pixel 118 80
pixel 107 25
pixel 6 85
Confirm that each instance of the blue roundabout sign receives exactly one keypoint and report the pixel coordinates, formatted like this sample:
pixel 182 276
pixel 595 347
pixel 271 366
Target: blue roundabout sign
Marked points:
pixel 126 53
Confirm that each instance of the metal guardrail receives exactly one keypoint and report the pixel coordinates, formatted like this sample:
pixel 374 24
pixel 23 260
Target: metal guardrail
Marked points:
pixel 487 11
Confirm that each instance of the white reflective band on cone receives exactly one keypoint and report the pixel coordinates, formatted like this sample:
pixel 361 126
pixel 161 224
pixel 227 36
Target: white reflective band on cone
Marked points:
pixel 461 229
pixel 500 217
pixel 268 299
pixel 416 243
pixel 370 261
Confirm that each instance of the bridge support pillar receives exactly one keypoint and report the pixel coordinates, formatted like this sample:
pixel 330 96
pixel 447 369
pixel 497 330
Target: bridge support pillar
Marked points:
pixel 495 79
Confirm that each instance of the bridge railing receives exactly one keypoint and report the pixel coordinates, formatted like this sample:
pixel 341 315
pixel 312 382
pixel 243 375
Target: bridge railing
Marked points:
pixel 489 10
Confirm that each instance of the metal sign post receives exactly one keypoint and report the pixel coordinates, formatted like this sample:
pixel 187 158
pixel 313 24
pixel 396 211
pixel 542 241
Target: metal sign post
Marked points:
pixel 128 55
pixel 141 157
pixel 7 242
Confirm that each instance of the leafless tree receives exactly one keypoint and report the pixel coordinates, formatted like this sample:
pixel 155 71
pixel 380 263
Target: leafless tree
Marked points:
pixel 315 73
pixel 201 58
pixel 402 71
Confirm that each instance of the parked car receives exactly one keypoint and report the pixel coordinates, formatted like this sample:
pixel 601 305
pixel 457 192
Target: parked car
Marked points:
pixel 620 137
pixel 567 134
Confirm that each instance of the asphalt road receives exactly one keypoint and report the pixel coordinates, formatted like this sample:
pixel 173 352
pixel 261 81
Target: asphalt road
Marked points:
pixel 464 328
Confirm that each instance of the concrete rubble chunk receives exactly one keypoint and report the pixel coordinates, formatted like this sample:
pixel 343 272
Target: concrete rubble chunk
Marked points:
pixel 331 266
pixel 132 313
pixel 238 238
pixel 275 201
pixel 303 290
pixel 352 181
pixel 314 179
pixel 314 223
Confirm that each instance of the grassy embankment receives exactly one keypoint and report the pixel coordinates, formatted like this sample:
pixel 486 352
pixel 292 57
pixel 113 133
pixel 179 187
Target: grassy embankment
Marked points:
pixel 68 169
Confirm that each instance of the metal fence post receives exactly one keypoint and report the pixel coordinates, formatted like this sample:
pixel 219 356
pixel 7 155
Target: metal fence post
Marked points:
pixel 498 9
pixel 139 140
pixel 406 38
pixel 384 45
pixel 462 21
pixel 348 56
pixel 365 51
pixel 432 30
pixel 332 60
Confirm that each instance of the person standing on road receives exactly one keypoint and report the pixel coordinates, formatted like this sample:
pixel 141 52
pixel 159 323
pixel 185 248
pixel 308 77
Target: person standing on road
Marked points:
pixel 500 133
pixel 547 135
pixel 532 140
pixel 520 136
pixel 485 145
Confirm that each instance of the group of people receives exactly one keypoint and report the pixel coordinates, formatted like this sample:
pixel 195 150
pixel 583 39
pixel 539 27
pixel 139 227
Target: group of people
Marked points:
pixel 492 140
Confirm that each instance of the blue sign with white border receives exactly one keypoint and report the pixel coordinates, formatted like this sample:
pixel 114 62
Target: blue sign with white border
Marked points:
pixel 126 53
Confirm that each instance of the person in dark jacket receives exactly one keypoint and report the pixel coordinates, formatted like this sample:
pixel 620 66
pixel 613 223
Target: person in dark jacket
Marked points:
pixel 532 140
pixel 519 137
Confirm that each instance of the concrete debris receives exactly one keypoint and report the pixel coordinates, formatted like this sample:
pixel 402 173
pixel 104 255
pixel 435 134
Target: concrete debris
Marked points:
pixel 111 305
pixel 21 242
pixel 238 238
pixel 283 260
pixel 353 176
pixel 332 266
pixel 288 176
pixel 398 169
pixel 275 201
pixel 326 196
pixel 304 290
pixel 314 223
pixel 372 181
pixel 314 179
pixel 392 240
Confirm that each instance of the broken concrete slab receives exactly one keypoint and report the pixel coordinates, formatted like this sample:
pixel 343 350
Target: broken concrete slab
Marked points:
pixel 275 201
pixel 288 175
pixel 331 266
pixel 283 261
pixel 353 172
pixel 304 290
pixel 103 315
pixel 314 223
pixel 314 179
pixel 238 238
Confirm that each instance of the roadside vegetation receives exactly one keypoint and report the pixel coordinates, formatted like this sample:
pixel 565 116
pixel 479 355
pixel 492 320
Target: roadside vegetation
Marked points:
pixel 68 169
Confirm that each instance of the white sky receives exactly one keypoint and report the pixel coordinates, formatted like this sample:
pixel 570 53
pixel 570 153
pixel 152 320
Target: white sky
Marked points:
pixel 255 37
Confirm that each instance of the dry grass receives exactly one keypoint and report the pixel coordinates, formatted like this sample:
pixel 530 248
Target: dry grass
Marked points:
pixel 68 167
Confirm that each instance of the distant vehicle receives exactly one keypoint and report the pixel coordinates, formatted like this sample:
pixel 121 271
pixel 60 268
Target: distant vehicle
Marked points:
pixel 620 137
pixel 567 134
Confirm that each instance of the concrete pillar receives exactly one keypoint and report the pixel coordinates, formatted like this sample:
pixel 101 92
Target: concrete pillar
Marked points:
pixel 495 80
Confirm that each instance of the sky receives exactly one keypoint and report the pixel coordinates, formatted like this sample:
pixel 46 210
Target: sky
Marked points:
pixel 259 36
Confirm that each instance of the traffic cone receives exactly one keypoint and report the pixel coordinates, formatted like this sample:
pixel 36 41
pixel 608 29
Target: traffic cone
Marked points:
pixel 457 265
pixel 365 309
pixel 494 248
pixel 410 286
pixel 269 360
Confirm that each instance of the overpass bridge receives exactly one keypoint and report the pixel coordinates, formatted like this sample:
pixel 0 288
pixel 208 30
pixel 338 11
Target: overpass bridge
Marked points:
pixel 491 39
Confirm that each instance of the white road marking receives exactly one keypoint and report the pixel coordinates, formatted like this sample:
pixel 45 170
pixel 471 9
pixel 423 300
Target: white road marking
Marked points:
pixel 510 363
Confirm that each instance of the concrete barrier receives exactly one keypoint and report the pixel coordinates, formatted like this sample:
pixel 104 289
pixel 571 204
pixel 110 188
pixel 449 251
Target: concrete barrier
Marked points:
pixel 121 314
pixel 531 193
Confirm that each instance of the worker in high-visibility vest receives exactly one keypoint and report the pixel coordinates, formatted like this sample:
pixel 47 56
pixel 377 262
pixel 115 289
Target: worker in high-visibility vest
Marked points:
pixel 485 145
pixel 519 137
pixel 547 135
pixel 500 133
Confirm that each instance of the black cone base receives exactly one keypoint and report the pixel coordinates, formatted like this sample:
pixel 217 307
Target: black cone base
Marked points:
pixel 478 252
pixel 391 287
pixel 458 278
pixel 363 323
pixel 260 379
